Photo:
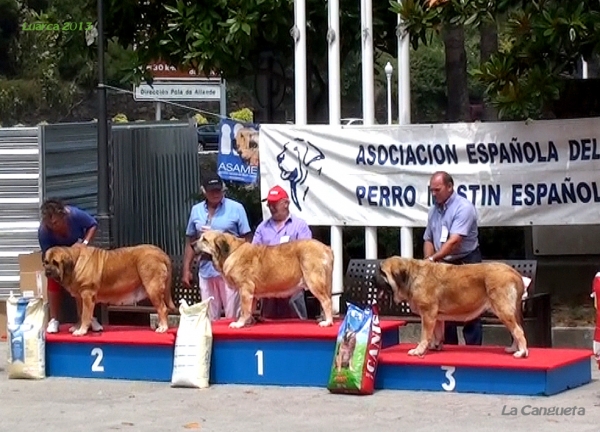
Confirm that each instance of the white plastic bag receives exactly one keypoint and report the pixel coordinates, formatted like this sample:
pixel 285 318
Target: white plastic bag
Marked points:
pixel 26 319
pixel 193 346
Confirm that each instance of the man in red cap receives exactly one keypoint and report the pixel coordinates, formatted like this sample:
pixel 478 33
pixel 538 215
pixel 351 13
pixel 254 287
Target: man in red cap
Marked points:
pixel 282 227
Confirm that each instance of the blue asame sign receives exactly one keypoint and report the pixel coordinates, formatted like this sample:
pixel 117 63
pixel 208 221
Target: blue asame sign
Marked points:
pixel 238 151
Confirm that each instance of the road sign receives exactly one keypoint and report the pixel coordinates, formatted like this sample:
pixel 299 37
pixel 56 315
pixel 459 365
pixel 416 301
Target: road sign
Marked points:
pixel 163 71
pixel 183 91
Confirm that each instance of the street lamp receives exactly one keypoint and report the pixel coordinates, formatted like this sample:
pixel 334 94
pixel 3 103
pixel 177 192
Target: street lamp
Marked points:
pixel 389 69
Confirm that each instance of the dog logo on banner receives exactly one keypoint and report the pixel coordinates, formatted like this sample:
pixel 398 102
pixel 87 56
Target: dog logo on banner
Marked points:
pixel 238 151
pixel 294 161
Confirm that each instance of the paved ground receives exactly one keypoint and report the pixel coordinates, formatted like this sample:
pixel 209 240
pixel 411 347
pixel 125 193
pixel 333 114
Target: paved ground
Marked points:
pixel 65 405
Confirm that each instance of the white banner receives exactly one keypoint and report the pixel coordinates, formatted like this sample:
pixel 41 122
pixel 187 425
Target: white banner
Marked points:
pixel 515 173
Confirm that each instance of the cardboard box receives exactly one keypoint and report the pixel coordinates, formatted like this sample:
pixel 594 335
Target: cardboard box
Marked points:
pixel 33 282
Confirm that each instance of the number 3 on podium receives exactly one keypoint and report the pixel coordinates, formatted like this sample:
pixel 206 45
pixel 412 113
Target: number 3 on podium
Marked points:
pixel 451 383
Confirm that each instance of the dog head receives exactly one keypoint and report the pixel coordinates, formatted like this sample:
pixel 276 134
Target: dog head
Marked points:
pixel 393 276
pixel 216 244
pixel 59 263
pixel 246 145
pixel 349 337
pixel 293 161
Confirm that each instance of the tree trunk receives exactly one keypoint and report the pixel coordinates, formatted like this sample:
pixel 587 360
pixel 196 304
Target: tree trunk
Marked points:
pixel 488 33
pixel 456 73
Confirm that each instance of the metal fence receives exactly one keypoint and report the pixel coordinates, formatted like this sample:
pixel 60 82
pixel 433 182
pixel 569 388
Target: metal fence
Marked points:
pixel 19 201
pixel 155 176
pixel 70 163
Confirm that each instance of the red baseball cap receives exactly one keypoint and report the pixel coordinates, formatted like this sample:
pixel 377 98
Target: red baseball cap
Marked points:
pixel 276 193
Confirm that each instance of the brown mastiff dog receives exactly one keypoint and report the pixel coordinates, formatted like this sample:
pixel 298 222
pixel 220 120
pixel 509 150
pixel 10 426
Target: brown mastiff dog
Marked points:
pixel 120 276
pixel 258 271
pixel 438 292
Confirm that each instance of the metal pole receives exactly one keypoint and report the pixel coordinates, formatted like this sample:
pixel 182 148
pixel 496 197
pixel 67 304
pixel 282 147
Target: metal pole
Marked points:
pixel 223 100
pixel 103 238
pixel 158 113
pixel 389 70
pixel 299 34
pixel 584 69
pixel 406 233
pixel 335 114
pixel 368 95
pixel 103 215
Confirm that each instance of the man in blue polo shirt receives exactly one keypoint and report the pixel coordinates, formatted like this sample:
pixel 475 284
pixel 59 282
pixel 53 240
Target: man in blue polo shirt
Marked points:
pixel 221 214
pixel 451 236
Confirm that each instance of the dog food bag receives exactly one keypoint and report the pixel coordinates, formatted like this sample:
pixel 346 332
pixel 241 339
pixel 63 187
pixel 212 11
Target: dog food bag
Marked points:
pixel 26 318
pixel 193 346
pixel 356 352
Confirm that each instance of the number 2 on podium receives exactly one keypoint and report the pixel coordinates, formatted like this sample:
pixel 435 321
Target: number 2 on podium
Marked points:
pixel 259 361
pixel 97 366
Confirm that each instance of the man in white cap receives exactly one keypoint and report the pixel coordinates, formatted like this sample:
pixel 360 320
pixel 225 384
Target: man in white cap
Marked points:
pixel 221 214
pixel 282 227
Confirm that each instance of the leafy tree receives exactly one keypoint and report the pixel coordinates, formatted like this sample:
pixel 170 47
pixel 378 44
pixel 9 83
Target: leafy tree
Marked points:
pixel 230 36
pixel 545 42
pixel 9 28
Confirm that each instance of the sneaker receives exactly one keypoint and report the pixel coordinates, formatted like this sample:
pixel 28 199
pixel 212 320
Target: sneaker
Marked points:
pixel 96 326
pixel 52 326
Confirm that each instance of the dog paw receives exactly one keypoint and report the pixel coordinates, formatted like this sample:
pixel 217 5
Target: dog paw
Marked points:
pixel 436 347
pixel 72 329
pixel 236 325
pixel 521 354
pixel 416 352
pixel 161 329
pixel 80 332
pixel 510 349
pixel 325 323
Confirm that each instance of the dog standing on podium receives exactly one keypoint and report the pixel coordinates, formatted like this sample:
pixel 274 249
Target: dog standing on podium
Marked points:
pixel 259 271
pixel 439 291
pixel 118 276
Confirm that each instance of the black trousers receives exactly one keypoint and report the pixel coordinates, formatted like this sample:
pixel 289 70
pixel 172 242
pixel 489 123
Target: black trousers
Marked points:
pixel 472 330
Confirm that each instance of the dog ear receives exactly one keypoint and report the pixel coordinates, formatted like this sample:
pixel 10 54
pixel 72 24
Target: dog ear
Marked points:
pixel 312 154
pixel 222 247
pixel 68 266
pixel 401 277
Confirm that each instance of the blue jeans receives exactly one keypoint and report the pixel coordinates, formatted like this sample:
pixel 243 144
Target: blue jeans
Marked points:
pixel 472 330
pixel 282 308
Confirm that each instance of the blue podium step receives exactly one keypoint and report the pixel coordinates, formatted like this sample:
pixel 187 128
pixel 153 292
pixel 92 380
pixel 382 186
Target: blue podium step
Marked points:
pixel 119 352
pixel 286 353
pixel 484 369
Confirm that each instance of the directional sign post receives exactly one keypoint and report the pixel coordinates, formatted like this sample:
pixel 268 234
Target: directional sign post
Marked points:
pixel 181 85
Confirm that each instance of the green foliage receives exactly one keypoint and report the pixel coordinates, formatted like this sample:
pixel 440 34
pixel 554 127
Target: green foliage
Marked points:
pixel 120 118
pixel 545 41
pixel 244 115
pixel 9 28
pixel 200 119
pixel 228 36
